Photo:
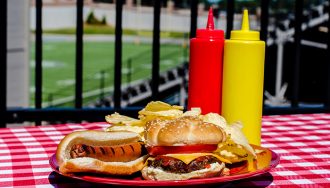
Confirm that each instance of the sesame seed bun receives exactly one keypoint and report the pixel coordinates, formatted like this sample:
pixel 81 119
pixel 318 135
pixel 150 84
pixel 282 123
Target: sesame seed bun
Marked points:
pixel 187 130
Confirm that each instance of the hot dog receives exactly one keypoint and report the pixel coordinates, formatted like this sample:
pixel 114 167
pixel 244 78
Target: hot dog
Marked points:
pixel 116 153
pixel 127 152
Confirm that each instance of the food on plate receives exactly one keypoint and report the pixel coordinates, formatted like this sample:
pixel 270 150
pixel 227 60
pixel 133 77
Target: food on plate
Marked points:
pixel 124 123
pixel 186 145
pixel 158 109
pixel 236 148
pixel 117 119
pixel 153 110
pixel 182 149
pixel 137 129
pixel 116 153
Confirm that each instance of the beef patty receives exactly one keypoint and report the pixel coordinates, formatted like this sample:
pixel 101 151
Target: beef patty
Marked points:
pixel 174 165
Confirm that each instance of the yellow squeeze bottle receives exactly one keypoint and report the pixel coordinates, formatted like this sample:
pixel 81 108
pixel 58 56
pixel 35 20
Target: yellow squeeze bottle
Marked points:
pixel 243 76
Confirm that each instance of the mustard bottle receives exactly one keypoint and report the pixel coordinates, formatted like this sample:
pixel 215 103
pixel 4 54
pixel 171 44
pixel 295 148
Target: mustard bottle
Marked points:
pixel 243 76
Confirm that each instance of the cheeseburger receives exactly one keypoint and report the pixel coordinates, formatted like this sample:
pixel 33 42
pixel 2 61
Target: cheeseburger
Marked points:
pixel 115 153
pixel 182 149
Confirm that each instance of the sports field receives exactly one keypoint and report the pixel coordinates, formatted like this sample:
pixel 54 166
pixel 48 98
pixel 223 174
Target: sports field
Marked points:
pixel 59 65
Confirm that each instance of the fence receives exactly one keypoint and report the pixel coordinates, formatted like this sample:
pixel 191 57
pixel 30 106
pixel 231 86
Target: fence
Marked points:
pixel 78 113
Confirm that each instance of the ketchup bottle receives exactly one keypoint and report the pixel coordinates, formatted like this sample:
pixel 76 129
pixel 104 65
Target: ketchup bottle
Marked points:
pixel 205 68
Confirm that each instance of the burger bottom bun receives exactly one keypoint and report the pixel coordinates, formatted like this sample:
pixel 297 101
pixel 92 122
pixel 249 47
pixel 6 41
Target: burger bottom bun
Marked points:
pixel 151 173
pixel 87 164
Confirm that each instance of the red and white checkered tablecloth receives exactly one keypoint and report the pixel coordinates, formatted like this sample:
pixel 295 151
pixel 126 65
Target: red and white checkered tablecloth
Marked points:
pixel 302 141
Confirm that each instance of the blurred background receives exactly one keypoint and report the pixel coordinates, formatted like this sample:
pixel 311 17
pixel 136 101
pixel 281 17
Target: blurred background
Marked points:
pixel 294 78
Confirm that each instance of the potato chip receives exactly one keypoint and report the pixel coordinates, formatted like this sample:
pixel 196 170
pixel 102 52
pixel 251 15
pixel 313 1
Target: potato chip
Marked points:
pixel 153 110
pixel 155 106
pixel 117 119
pixel 144 118
pixel 159 110
pixel 216 119
pixel 234 130
pixel 236 134
pixel 137 129
pixel 193 112
pixel 165 113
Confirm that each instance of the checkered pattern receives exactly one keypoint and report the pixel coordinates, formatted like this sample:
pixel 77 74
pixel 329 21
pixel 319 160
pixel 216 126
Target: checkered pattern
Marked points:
pixel 302 141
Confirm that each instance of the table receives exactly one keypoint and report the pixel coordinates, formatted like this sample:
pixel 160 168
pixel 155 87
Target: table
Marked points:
pixel 302 141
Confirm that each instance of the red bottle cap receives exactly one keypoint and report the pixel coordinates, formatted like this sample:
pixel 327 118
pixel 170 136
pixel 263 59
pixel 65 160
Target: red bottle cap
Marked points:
pixel 209 32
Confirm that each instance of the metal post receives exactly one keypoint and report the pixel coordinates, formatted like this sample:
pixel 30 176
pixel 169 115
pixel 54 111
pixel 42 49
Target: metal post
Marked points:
pixel 3 63
pixel 328 60
pixel 193 17
pixel 264 20
pixel 185 47
pixel 279 66
pixel 230 17
pixel 297 40
pixel 264 30
pixel 79 54
pixel 38 58
pixel 155 50
pixel 118 54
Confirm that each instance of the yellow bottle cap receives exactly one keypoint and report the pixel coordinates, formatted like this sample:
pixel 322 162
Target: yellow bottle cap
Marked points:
pixel 245 33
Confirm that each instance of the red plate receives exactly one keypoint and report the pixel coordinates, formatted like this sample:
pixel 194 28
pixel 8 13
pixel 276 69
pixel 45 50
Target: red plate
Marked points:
pixel 266 161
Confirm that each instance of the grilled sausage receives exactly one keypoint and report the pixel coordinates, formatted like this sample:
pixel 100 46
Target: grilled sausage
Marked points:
pixel 130 152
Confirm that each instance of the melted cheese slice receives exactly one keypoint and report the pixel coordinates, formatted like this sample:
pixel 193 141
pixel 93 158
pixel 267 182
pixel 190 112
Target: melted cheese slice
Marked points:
pixel 187 158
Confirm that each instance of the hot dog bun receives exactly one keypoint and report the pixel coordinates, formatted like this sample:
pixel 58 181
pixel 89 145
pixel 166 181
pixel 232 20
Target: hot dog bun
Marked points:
pixel 121 163
pixel 86 164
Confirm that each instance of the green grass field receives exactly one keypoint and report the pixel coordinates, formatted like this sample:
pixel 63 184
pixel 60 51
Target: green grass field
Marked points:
pixel 59 65
pixel 109 30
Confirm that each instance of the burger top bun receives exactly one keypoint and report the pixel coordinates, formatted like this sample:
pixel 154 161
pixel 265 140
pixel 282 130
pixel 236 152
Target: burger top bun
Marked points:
pixel 187 130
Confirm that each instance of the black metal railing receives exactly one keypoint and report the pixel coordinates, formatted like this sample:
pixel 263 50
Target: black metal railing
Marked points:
pixel 79 55
pixel 327 102
pixel 230 17
pixel 297 43
pixel 118 54
pixel 155 51
pixel 38 57
pixel 78 113
pixel 3 63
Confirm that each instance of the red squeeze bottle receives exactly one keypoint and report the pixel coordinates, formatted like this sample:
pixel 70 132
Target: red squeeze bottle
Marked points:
pixel 205 68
